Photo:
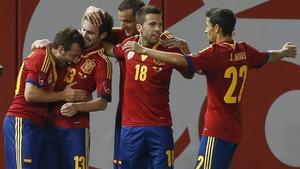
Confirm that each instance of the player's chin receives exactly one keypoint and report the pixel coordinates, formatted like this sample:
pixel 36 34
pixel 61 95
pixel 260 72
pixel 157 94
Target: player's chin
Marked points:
pixel 154 39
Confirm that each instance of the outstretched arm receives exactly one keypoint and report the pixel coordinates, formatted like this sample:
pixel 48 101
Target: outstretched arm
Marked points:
pixel 287 50
pixel 167 57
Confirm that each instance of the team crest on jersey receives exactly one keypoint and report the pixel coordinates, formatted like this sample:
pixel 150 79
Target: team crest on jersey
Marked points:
pixel 130 55
pixel 107 86
pixel 42 79
pixel 157 62
pixel 88 66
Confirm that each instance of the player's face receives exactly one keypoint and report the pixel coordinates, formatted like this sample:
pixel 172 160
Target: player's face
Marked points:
pixel 151 28
pixel 128 22
pixel 90 33
pixel 210 31
pixel 68 57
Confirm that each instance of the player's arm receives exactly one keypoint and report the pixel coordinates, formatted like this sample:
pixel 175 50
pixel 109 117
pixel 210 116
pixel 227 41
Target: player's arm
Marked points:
pixel 70 109
pixel 38 95
pixel 40 44
pixel 287 50
pixel 167 57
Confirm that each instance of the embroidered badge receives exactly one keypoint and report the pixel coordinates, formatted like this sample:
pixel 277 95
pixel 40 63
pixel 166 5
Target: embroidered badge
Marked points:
pixel 107 86
pixel 130 55
pixel 88 66
pixel 42 79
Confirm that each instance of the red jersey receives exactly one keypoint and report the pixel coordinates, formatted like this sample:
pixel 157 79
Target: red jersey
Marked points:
pixel 226 66
pixel 39 70
pixel 146 92
pixel 117 36
pixel 93 72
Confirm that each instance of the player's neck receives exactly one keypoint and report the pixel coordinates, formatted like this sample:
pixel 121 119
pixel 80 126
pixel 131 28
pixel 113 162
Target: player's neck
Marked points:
pixel 143 42
pixel 221 38
pixel 93 46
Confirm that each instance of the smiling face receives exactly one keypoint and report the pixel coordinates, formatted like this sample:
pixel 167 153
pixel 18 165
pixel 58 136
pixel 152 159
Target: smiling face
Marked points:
pixel 69 56
pixel 128 22
pixel 90 34
pixel 151 29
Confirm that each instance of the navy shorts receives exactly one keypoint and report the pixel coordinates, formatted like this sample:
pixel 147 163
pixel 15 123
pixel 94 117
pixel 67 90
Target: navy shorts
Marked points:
pixel 214 153
pixel 153 144
pixel 66 148
pixel 23 141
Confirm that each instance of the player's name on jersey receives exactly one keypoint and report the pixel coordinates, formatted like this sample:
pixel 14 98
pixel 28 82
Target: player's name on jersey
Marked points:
pixel 238 56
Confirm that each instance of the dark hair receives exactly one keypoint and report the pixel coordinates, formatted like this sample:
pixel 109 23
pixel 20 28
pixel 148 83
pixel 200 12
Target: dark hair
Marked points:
pixel 67 37
pixel 135 5
pixel 223 17
pixel 148 9
pixel 107 23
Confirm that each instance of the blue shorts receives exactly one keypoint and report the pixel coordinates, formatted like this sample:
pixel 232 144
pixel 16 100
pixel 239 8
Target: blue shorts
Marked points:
pixel 23 141
pixel 146 143
pixel 66 148
pixel 214 153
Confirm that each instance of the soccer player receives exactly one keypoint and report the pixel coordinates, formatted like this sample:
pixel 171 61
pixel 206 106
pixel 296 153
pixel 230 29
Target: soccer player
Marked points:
pixel 226 64
pixel 126 13
pixel 24 123
pixel 146 131
pixel 70 134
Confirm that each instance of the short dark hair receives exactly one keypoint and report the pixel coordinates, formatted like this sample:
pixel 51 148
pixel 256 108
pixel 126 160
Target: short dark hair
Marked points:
pixel 135 5
pixel 148 9
pixel 107 23
pixel 67 37
pixel 223 17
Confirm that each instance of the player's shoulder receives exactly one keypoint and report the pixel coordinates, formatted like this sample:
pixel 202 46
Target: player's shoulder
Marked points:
pixel 118 30
pixel 96 55
pixel 39 59
pixel 210 48
pixel 117 35
pixel 131 38
pixel 40 54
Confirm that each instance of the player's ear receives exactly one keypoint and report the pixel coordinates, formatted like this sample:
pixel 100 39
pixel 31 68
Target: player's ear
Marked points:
pixel 139 27
pixel 61 50
pixel 218 28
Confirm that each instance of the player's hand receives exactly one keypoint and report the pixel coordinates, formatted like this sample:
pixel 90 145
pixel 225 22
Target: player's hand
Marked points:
pixel 71 94
pixel 133 46
pixel 289 50
pixel 94 15
pixel 69 109
pixel 40 44
pixel 176 42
